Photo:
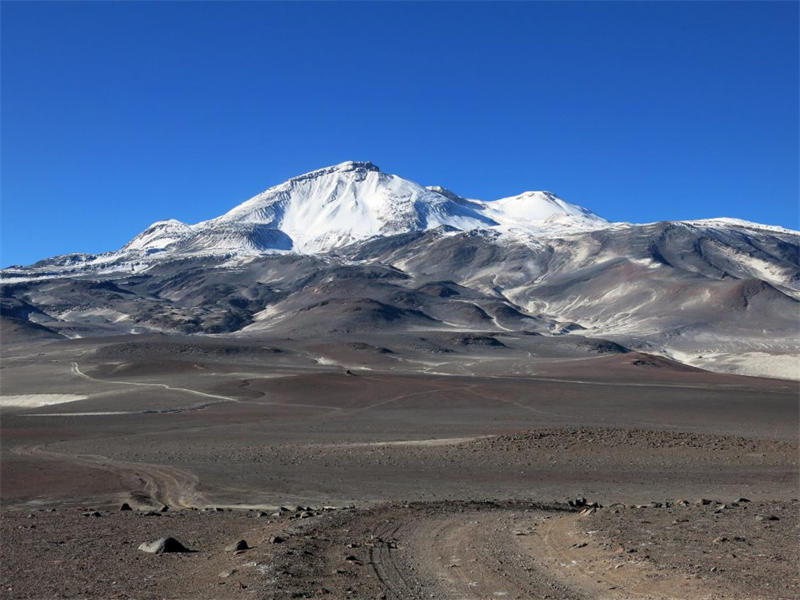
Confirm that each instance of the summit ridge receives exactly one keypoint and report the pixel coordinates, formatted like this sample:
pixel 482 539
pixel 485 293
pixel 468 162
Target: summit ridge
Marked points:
pixel 341 204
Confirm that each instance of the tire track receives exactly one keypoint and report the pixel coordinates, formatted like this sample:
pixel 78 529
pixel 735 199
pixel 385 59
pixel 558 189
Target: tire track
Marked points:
pixel 479 553
pixel 163 484
pixel 75 369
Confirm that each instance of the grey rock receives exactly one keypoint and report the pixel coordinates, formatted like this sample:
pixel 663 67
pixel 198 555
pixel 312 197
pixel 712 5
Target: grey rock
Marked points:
pixel 767 518
pixel 240 545
pixel 162 545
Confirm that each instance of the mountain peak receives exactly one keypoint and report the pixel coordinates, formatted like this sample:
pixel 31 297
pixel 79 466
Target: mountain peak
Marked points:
pixel 352 201
pixel 536 206
pixel 343 167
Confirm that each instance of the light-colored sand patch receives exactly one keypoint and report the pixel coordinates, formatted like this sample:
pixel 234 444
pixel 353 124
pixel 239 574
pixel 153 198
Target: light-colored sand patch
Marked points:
pixel 430 442
pixel 37 400
pixel 256 375
pixel 84 414
pixel 758 364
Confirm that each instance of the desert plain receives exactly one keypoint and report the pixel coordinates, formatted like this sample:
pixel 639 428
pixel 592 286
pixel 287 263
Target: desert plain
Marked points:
pixel 410 466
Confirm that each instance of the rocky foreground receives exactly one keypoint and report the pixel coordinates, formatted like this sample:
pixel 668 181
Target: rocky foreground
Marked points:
pixel 729 548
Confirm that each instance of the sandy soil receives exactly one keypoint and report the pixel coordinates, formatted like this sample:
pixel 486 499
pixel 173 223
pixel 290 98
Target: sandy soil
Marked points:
pixel 458 484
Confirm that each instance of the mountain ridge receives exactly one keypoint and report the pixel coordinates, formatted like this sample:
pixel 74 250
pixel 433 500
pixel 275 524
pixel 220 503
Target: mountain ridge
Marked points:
pixel 348 252
pixel 351 201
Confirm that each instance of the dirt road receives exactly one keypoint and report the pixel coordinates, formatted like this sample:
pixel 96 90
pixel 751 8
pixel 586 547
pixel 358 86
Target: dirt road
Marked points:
pixel 149 484
pixel 475 551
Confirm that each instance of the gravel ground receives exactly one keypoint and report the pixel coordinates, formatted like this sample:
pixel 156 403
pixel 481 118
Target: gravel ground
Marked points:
pixel 739 549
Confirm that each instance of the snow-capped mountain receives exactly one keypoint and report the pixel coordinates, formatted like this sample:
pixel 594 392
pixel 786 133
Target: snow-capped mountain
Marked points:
pixel 350 252
pixel 353 201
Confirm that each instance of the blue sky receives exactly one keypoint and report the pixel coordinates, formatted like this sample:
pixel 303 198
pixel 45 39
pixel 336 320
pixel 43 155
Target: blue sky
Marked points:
pixel 115 115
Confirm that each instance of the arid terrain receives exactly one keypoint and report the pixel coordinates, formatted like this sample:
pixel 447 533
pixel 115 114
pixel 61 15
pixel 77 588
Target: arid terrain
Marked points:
pixel 366 476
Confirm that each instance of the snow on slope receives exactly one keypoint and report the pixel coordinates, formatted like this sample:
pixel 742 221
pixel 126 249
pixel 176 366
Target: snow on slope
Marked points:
pixel 159 235
pixel 531 207
pixel 345 203
pixel 352 201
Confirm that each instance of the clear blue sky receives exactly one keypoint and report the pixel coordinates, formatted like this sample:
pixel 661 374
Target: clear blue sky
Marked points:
pixel 115 114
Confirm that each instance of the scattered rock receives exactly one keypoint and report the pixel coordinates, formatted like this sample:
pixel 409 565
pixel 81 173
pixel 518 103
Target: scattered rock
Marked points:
pixel 228 573
pixel 703 502
pixel 767 518
pixel 240 545
pixel 93 513
pixel 125 506
pixel 276 539
pixel 742 500
pixel 164 508
pixel 162 545
pixel 720 539
pixel 580 502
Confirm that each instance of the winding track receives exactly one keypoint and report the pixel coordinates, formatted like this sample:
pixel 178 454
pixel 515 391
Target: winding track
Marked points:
pixel 162 484
pixel 77 371
pixel 486 553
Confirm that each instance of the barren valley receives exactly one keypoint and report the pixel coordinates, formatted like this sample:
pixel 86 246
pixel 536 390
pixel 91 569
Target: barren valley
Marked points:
pixel 595 476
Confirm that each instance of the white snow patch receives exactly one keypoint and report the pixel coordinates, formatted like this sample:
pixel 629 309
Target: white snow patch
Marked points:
pixel 323 360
